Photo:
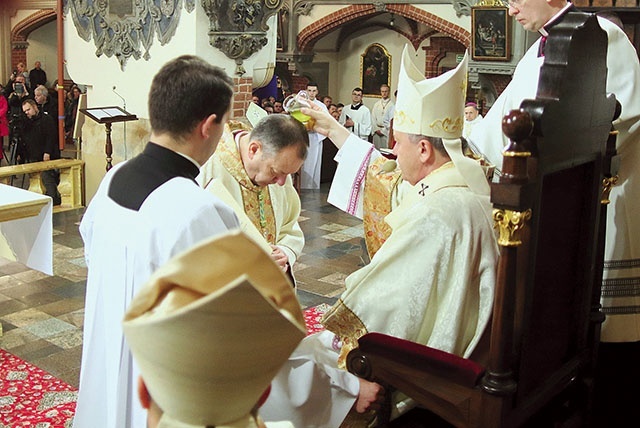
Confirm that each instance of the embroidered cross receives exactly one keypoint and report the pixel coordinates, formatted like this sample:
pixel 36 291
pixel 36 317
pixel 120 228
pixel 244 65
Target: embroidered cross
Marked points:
pixel 421 192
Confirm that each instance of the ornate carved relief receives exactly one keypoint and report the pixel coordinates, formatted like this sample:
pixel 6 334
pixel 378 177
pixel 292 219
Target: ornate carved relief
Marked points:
pixel 510 224
pixel 239 27
pixel 463 7
pixel 303 8
pixel 120 28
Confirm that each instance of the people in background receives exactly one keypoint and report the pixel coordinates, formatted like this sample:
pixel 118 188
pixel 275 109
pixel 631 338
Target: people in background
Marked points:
pixel 472 117
pixel 37 76
pixel 40 139
pixel 356 117
pixel 380 131
pixel 310 173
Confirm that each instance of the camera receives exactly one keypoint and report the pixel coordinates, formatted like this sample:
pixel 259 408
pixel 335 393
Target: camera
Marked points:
pixel 19 88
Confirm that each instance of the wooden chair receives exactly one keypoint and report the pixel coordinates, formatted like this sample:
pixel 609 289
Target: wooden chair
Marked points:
pixel 549 207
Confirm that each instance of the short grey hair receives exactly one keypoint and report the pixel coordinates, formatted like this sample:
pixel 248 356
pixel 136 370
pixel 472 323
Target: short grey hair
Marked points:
pixel 277 131
pixel 41 90
pixel 436 142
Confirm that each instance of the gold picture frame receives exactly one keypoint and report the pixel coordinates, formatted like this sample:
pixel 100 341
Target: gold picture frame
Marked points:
pixel 491 37
pixel 375 69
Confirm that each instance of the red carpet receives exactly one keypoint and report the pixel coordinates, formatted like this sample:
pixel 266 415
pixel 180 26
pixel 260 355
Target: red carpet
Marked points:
pixel 30 397
pixel 312 317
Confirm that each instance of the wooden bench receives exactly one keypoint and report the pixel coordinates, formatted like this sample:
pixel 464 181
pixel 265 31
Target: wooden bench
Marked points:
pixel 71 185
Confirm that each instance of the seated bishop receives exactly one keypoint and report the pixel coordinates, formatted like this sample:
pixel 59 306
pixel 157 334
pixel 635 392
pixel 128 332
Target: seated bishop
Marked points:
pixel 432 278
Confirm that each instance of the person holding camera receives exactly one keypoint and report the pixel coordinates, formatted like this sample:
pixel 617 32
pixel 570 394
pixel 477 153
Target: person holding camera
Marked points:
pixel 39 136
pixel 16 93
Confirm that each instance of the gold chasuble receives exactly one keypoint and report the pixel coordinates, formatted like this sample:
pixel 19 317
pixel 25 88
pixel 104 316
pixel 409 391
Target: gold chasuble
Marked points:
pixel 378 190
pixel 256 199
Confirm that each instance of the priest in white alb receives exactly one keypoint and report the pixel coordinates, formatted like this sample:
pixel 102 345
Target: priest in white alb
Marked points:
pixel 432 278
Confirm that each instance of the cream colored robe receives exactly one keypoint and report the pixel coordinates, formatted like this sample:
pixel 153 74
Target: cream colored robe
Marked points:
pixel 431 282
pixel 621 299
pixel 284 199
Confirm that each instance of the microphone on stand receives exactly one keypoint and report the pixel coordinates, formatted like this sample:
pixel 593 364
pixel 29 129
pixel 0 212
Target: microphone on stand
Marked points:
pixel 124 107
pixel 124 102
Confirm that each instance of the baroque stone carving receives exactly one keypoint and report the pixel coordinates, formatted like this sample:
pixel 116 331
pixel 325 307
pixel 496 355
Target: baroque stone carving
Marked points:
pixel 463 7
pixel 239 27
pixel 124 28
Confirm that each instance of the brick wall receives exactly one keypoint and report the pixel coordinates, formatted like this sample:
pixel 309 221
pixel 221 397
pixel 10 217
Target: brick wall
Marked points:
pixel 242 96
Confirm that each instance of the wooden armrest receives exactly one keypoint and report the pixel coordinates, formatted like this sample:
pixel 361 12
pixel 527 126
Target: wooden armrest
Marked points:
pixel 418 357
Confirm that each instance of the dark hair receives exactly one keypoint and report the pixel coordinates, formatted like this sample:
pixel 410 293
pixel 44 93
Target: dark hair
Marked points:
pixel 31 102
pixel 185 91
pixel 278 131
pixel 312 84
pixel 357 89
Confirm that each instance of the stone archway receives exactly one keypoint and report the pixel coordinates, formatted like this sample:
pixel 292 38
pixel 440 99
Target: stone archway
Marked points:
pixel 456 41
pixel 21 31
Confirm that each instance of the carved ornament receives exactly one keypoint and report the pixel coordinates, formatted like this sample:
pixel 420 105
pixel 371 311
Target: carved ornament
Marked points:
pixel 126 28
pixel 509 224
pixel 239 27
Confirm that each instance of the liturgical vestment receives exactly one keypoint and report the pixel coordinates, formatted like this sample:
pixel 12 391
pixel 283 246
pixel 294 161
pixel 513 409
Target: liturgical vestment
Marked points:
pixel 129 230
pixel 431 282
pixel 269 215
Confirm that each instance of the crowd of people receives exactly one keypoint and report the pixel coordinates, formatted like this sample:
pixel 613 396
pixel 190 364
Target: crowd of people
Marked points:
pixel 29 118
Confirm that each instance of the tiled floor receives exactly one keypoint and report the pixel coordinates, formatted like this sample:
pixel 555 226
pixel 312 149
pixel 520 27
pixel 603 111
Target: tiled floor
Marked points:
pixel 42 315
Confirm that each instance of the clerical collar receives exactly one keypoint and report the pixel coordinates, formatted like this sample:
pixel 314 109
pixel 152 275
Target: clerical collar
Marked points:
pixel 544 31
pixel 356 107
pixel 193 161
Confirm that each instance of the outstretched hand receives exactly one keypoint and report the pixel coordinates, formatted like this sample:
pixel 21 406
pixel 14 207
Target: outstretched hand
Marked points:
pixel 327 125
pixel 370 397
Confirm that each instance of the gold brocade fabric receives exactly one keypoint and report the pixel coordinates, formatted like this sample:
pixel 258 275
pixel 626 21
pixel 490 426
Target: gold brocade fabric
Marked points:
pixel 378 190
pixel 347 326
pixel 256 199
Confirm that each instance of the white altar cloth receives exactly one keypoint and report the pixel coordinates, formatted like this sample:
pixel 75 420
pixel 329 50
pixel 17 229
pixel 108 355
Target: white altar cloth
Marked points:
pixel 26 228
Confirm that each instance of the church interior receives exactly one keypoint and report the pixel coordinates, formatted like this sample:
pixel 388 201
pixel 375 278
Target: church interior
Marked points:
pixel 101 48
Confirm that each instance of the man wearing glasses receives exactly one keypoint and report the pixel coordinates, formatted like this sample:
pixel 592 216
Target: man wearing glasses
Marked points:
pixel 618 378
pixel 356 117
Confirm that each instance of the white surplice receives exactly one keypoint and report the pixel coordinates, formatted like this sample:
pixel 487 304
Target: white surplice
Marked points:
pixel 469 124
pixel 622 249
pixel 378 113
pixel 431 282
pixel 123 248
pixel 312 166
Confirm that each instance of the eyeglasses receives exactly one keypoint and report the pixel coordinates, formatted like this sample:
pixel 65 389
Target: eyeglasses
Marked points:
pixel 356 94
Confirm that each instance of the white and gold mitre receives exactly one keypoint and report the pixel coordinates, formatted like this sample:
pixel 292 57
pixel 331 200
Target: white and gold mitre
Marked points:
pixel 431 107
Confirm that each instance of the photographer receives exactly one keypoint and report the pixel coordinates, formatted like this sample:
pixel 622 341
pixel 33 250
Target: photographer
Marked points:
pixel 40 140
pixel 16 93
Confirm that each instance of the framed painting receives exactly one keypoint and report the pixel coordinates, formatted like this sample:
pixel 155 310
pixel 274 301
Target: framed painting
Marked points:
pixel 491 38
pixel 375 69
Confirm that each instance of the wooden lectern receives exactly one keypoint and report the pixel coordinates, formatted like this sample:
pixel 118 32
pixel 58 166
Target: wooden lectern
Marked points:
pixel 108 115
